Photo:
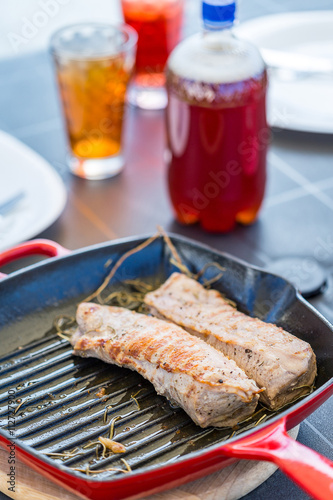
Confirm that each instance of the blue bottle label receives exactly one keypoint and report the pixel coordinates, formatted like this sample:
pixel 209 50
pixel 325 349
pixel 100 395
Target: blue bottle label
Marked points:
pixel 218 13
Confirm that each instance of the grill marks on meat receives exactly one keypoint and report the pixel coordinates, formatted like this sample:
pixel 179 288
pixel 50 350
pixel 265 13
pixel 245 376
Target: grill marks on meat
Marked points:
pixel 207 385
pixel 274 358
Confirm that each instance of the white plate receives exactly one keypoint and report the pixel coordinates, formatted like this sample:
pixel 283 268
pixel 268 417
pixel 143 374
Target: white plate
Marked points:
pixel 302 103
pixel 21 169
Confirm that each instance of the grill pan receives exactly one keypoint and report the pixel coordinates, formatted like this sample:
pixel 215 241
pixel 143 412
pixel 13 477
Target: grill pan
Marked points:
pixel 50 401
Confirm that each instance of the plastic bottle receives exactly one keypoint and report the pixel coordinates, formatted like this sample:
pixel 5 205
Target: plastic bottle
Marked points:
pixel 216 124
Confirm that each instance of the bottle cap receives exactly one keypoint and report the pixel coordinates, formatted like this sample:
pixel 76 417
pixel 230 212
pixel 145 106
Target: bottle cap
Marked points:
pixel 218 13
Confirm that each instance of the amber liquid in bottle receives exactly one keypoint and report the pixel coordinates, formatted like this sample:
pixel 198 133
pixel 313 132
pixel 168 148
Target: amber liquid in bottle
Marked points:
pixel 217 131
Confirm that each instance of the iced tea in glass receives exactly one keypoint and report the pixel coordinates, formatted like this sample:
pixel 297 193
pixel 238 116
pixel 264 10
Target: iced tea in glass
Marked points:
pixel 159 25
pixel 94 63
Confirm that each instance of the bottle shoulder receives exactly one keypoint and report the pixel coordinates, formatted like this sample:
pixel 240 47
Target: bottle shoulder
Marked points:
pixel 216 57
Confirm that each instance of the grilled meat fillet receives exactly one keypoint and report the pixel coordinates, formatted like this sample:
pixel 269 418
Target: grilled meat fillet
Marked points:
pixel 207 385
pixel 275 359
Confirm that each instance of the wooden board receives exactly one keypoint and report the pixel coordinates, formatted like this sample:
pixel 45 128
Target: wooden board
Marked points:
pixel 230 483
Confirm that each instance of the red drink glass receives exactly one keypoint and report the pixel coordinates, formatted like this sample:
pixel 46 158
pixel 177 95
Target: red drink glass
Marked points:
pixel 158 24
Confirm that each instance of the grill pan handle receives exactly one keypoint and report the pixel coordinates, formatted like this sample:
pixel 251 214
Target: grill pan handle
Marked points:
pixel 33 247
pixel 310 470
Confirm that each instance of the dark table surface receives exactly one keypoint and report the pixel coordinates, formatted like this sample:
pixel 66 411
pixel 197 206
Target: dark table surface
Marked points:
pixel 296 218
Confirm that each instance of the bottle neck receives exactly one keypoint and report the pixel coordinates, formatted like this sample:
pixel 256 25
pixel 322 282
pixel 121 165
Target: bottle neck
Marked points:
pixel 218 15
pixel 223 33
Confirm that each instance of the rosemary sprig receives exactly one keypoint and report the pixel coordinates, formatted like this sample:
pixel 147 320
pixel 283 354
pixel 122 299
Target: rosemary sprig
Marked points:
pixel 113 421
pixel 136 401
pixel 65 454
pixel 105 415
pixel 176 260
pixel 260 420
pixel 139 285
pixel 89 445
pixel 128 467
pixel 206 266
pixel 210 282
pixel 89 471
pixel 20 405
pixel 113 271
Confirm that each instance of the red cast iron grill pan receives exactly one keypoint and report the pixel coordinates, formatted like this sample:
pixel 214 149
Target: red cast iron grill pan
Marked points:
pixel 60 409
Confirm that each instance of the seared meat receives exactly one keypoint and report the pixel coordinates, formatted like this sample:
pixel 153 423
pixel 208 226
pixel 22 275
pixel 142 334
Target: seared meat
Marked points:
pixel 207 385
pixel 275 359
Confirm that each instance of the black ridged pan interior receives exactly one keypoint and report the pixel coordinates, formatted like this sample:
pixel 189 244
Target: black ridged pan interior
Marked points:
pixel 64 403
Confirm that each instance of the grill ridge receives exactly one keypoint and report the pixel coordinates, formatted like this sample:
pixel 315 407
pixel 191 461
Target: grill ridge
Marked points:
pixel 76 396
pixel 54 390
pixel 68 426
pixel 148 441
pixel 26 360
pixel 120 437
pixel 30 347
pixel 46 364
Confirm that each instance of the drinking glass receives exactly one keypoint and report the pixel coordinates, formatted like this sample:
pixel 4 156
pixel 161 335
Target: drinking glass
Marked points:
pixel 159 24
pixel 94 63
